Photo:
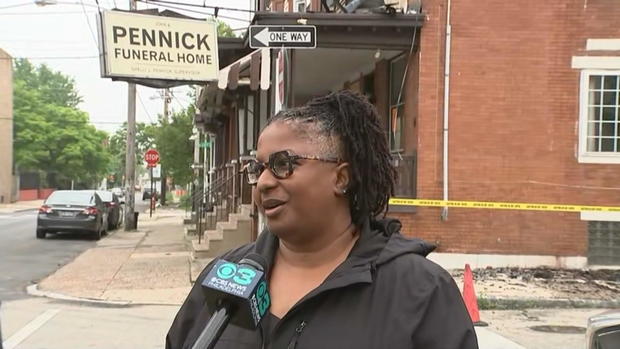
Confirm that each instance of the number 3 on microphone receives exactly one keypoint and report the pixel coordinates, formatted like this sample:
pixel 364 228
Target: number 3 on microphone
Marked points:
pixel 263 298
pixel 244 276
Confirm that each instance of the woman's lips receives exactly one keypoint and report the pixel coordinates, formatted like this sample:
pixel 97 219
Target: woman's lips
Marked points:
pixel 273 211
pixel 272 206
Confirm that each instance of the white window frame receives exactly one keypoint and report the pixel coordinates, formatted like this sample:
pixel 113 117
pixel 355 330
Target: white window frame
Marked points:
pixel 585 156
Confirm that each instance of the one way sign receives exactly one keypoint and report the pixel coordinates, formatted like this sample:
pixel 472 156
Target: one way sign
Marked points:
pixel 292 36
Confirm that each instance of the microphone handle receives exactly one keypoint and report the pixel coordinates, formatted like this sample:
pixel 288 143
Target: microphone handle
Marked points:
pixel 213 330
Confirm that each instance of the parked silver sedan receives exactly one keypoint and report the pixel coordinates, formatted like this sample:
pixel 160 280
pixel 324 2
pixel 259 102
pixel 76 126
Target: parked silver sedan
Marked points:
pixel 604 331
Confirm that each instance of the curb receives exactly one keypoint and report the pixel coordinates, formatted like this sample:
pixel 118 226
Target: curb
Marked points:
pixel 33 290
pixel 533 303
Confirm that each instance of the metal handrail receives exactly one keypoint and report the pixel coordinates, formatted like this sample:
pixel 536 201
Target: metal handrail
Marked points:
pixel 222 191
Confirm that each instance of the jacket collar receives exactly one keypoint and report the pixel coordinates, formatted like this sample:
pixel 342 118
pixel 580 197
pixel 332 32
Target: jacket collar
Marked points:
pixel 380 241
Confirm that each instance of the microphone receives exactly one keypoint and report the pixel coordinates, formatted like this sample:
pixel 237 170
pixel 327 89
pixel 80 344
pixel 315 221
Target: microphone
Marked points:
pixel 238 292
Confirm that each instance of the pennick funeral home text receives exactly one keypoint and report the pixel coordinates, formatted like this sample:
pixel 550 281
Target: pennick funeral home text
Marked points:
pixel 142 39
pixel 157 47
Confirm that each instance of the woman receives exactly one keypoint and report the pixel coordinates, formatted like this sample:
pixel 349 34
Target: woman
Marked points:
pixel 338 277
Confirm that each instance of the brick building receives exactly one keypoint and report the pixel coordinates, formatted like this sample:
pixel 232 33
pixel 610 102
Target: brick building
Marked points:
pixel 532 115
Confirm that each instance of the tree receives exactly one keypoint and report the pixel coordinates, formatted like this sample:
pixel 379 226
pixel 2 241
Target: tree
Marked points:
pixel 145 139
pixel 224 30
pixel 175 148
pixel 52 136
pixel 53 87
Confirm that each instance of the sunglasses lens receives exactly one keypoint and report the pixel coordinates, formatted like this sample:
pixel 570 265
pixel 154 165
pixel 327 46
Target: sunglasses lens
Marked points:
pixel 280 164
pixel 253 170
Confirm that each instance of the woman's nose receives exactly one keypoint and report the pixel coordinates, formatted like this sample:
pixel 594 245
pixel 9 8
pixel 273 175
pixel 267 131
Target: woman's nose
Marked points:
pixel 266 180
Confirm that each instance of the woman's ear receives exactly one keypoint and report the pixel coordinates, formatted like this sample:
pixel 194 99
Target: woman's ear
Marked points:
pixel 343 178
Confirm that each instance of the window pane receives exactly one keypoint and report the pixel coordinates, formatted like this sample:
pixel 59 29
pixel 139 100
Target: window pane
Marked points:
pixel 607 144
pixel 608 129
pixel 609 114
pixel 610 82
pixel 594 129
pixel 592 144
pixel 594 113
pixel 595 82
pixel 609 98
pixel 595 98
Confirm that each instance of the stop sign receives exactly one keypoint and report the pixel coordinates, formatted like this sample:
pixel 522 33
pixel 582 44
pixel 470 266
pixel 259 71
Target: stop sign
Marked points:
pixel 151 157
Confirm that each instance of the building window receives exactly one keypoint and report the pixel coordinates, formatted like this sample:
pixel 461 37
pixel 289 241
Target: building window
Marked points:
pixel 599 119
pixel 397 103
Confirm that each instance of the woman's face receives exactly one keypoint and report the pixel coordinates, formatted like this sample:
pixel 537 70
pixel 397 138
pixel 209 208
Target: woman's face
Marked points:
pixel 304 199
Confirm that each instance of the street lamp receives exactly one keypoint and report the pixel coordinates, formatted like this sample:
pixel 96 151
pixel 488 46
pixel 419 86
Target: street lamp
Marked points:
pixel 45 2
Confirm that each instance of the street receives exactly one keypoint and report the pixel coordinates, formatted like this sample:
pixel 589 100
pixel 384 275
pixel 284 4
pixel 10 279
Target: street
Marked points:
pixel 26 259
pixel 36 322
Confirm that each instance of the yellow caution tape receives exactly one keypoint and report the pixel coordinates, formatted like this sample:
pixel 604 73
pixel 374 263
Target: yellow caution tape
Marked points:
pixel 503 205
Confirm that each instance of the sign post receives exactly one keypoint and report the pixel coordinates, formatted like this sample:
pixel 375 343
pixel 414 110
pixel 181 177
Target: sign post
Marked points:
pixel 152 159
pixel 291 36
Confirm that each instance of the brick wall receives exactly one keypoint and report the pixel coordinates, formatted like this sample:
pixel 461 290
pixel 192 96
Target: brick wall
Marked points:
pixel 513 119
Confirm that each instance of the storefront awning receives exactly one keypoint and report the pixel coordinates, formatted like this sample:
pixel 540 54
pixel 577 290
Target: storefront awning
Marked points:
pixel 253 69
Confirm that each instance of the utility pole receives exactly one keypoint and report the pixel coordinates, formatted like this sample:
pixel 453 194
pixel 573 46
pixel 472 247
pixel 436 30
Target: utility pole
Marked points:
pixel 130 157
pixel 167 100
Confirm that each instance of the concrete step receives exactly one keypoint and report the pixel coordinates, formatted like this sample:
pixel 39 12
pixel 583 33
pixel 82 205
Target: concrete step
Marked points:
pixel 190 230
pixel 224 236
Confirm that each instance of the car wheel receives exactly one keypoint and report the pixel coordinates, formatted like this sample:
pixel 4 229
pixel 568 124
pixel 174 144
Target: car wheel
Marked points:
pixel 40 234
pixel 98 232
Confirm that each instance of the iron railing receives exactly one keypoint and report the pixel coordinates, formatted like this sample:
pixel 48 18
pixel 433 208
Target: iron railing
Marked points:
pixel 224 195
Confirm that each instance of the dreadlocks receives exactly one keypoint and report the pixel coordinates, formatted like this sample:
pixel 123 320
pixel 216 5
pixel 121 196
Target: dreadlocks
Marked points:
pixel 347 126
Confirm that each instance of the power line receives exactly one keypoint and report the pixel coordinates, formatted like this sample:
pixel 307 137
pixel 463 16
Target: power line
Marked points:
pixel 193 11
pixel 52 57
pixel 44 13
pixel 17 5
pixel 178 101
pixel 92 33
pixel 144 107
pixel 203 6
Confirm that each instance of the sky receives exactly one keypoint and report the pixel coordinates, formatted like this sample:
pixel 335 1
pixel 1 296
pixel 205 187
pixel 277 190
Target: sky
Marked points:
pixel 64 37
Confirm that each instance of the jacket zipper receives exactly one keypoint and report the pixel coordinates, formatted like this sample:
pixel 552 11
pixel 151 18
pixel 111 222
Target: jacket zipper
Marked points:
pixel 293 343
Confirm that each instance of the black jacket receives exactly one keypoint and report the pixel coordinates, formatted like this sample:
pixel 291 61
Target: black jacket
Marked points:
pixel 386 294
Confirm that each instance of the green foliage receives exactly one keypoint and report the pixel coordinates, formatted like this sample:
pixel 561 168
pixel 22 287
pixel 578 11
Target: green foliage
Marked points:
pixel 175 148
pixel 171 139
pixel 51 134
pixel 52 87
pixel 145 139
pixel 224 30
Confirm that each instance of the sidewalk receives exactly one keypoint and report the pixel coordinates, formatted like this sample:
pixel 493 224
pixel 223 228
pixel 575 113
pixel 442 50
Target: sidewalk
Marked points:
pixel 147 266
pixel 20 206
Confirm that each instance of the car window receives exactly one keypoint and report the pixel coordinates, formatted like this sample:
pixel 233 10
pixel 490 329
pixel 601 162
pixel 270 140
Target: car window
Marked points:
pixel 105 195
pixel 70 198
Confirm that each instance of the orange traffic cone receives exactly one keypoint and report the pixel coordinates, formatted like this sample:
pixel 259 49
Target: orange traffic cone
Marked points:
pixel 469 296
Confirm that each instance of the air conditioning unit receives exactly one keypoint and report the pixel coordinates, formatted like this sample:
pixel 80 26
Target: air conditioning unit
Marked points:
pixel 300 5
